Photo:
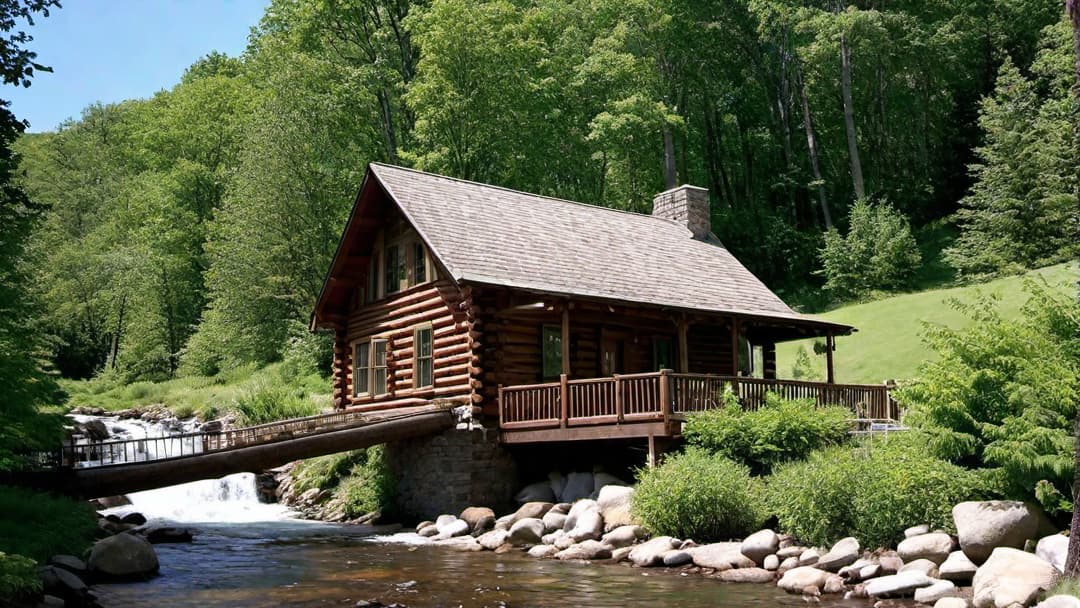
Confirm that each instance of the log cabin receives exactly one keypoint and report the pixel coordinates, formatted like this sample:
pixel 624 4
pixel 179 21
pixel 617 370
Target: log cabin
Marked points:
pixel 561 320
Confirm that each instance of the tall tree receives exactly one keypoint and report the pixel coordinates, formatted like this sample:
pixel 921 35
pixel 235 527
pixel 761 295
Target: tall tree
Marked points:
pixel 1072 563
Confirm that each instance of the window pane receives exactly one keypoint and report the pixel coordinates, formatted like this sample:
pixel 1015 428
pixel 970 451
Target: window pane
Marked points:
pixel 424 372
pixel 419 264
pixel 380 381
pixel 380 353
pixel 551 343
pixel 423 357
pixel 423 338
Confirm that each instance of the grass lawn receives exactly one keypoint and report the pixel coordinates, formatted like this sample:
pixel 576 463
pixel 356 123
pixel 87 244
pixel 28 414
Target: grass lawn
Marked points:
pixel 889 341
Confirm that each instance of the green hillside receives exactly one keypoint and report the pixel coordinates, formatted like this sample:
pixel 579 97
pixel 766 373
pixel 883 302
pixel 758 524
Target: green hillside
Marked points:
pixel 888 343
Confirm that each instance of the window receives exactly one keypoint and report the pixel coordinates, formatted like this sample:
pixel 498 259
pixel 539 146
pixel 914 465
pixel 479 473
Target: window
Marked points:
pixel 419 263
pixel 378 367
pixel 395 267
pixel 662 350
pixel 551 345
pixel 361 368
pixel 422 369
pixel 373 278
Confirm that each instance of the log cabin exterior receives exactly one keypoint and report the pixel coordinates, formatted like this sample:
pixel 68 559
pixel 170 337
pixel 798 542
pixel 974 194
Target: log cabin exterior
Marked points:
pixel 561 320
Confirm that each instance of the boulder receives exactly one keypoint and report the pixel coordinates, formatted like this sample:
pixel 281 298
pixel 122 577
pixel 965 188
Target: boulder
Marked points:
pixel 61 583
pixel 123 556
pixel 563 542
pixel 578 486
pixel 621 554
pixel 747 575
pixel 95 430
pixel 428 530
pixel 791 551
pixel 651 552
pixel 584 521
pixel 561 508
pixel 558 484
pixel 1054 549
pixel 797 579
pixel 957 568
pixel 890 564
pixel 624 536
pixel 1059 601
pixel 134 517
pixel 788 564
pixel 760 545
pixel 935 546
pixel 158 535
pixel 68 562
pixel 771 562
pixel 601 480
pixel 940 589
pixel 504 522
pixel 461 543
pixel 542 551
pixel 809 557
pixel 494 539
pixel 535 492
pixel 916 531
pixel 983 526
pixel 869 571
pixel 903 584
pixel 526 531
pixel 553 537
pixel 451 528
pixel 1011 576
pixel 586 549
pixel 843 553
pixel 480 519
pixel 614 502
pixel 833 584
pixel 675 558
pixel 530 510
pixel 721 556
pixel 952 602
pixel 924 566
pixel 554 521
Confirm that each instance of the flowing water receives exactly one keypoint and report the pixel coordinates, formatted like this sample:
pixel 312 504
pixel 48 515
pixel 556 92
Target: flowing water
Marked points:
pixel 246 553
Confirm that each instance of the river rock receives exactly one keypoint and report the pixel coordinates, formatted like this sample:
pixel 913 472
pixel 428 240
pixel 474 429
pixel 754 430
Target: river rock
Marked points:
pixel 869 571
pixel 558 484
pixel 563 542
pixel 64 584
pixel 898 585
pixel 940 589
pixel 526 531
pixel 797 579
pixel 480 519
pixel 95 430
pixel 833 584
pixel 536 492
pixel 158 535
pixel 1054 549
pixel 760 545
pixel 68 562
pixel 504 522
pixel 925 566
pixel 851 571
pixel 1059 601
pixel 771 562
pixel 788 564
pixel 584 522
pixel 461 543
pixel 453 527
pixel 542 551
pixel 586 549
pixel 843 553
pixel 614 502
pixel 651 552
pixel 428 530
pixel 494 539
pixel 621 554
pixel 134 517
pixel 721 556
pixel 890 563
pixel 123 555
pixel 916 531
pixel 809 557
pixel 791 551
pixel 552 537
pixel 676 558
pixel 1010 576
pixel 747 575
pixel 554 521
pixel 953 602
pixel 983 526
pixel 601 480
pixel 624 536
pixel 531 510
pixel 578 486
pixel 935 546
pixel 957 568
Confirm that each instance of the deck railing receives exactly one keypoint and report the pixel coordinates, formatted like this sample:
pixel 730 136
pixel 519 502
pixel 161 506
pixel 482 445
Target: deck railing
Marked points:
pixel 665 395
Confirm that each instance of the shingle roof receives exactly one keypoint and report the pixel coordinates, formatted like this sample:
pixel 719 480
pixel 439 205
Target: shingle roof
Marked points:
pixel 492 235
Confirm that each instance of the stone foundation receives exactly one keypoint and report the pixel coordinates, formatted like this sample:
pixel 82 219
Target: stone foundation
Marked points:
pixel 446 473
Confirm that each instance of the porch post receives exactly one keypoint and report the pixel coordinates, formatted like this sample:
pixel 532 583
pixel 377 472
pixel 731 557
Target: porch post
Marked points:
pixel 566 339
pixel 684 354
pixel 830 345
pixel 734 346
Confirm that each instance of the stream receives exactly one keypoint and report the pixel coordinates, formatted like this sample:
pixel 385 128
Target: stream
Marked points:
pixel 248 553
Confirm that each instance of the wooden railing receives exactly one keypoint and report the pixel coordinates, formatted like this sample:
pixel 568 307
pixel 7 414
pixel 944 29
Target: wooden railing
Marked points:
pixel 664 395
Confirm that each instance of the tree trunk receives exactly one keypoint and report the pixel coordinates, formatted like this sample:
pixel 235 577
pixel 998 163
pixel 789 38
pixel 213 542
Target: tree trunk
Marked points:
pixel 811 144
pixel 1072 562
pixel 669 159
pixel 849 118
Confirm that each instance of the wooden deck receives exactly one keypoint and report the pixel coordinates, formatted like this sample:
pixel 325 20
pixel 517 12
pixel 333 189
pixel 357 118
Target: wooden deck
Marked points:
pixel 655 404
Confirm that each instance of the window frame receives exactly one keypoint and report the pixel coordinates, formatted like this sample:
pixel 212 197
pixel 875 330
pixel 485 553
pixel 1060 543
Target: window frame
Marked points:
pixel 656 348
pixel 375 367
pixel 363 345
pixel 418 357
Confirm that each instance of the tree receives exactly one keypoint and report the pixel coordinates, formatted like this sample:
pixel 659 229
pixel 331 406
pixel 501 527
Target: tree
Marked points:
pixel 878 253
pixel 1072 563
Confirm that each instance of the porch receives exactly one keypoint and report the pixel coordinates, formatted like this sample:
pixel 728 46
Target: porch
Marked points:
pixel 654 405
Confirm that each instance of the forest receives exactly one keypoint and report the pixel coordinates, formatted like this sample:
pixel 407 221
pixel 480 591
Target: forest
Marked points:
pixel 851 149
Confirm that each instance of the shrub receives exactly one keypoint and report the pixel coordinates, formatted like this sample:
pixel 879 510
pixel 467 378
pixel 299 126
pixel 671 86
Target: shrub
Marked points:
pixel 698 495
pixel 267 401
pixel 370 486
pixel 872 491
pixel 325 472
pixel 18 576
pixel 878 253
pixel 39 525
pixel 781 430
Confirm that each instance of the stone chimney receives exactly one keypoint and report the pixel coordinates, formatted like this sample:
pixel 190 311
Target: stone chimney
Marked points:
pixel 687 205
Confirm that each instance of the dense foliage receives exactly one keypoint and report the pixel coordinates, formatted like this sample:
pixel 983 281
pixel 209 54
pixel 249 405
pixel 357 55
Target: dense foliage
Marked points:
pixel 360 481
pixel 39 525
pixel 779 431
pixel 872 491
pixel 699 495
pixel 189 232
pixel 1004 393
pixel 878 253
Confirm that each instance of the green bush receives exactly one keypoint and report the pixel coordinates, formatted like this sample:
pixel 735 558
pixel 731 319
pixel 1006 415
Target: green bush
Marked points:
pixel 325 472
pixel 781 430
pixel 267 401
pixel 878 253
pixel 700 496
pixel 40 525
pixel 872 491
pixel 18 576
pixel 370 485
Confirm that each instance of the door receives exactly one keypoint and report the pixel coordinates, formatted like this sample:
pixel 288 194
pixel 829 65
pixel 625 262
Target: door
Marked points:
pixel 612 352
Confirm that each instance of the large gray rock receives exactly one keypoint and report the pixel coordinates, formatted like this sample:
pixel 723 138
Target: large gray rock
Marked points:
pixel 843 553
pixel 927 567
pixel 614 502
pixel 123 556
pixel 1059 601
pixel 602 480
pixel 68 562
pixel 747 575
pixel 721 556
pixel 1054 549
pixel 542 551
pixel 935 546
pixel 451 528
pixel 771 562
pixel 940 589
pixel 529 510
pixel 554 521
pixel 916 531
pixel 578 486
pixel 1011 577
pixel 809 557
pixel 558 484
pixel 675 558
pixel 587 549
pixel 651 552
pixel 797 579
pixel 480 519
pixel 494 539
pixel 526 531
pixel 624 536
pixel 536 492
pixel 584 521
pixel 957 568
pixel 953 602
pixel 760 545
pixel 903 584
pixel 983 526
pixel 62 583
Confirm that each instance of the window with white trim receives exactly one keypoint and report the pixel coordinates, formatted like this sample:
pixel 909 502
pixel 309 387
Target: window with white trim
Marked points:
pixel 422 364
pixel 378 367
pixel 361 368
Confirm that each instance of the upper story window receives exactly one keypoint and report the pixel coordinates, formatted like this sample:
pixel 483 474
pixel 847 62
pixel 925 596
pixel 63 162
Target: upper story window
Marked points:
pixel 419 263
pixel 399 260
pixel 394 272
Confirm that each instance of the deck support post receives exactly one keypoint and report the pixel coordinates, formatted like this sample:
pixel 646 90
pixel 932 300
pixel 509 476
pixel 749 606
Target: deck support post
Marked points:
pixel 684 353
pixel 830 346
pixel 657 448
pixel 565 338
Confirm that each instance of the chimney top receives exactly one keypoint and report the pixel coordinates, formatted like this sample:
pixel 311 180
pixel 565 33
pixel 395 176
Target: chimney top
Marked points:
pixel 687 205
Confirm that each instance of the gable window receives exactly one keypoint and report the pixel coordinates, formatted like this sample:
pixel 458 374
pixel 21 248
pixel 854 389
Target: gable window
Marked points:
pixel 551 347
pixel 361 368
pixel 419 261
pixel 422 367
pixel 394 270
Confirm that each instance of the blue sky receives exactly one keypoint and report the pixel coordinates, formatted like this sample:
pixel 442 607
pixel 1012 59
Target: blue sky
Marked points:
pixel 111 50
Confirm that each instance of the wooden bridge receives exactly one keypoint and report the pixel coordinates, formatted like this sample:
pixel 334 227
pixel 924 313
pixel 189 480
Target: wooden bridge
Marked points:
pixel 654 405
pixel 108 468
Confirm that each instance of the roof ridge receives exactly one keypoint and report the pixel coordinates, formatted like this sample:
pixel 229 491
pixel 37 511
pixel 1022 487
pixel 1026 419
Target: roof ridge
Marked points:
pixel 533 194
